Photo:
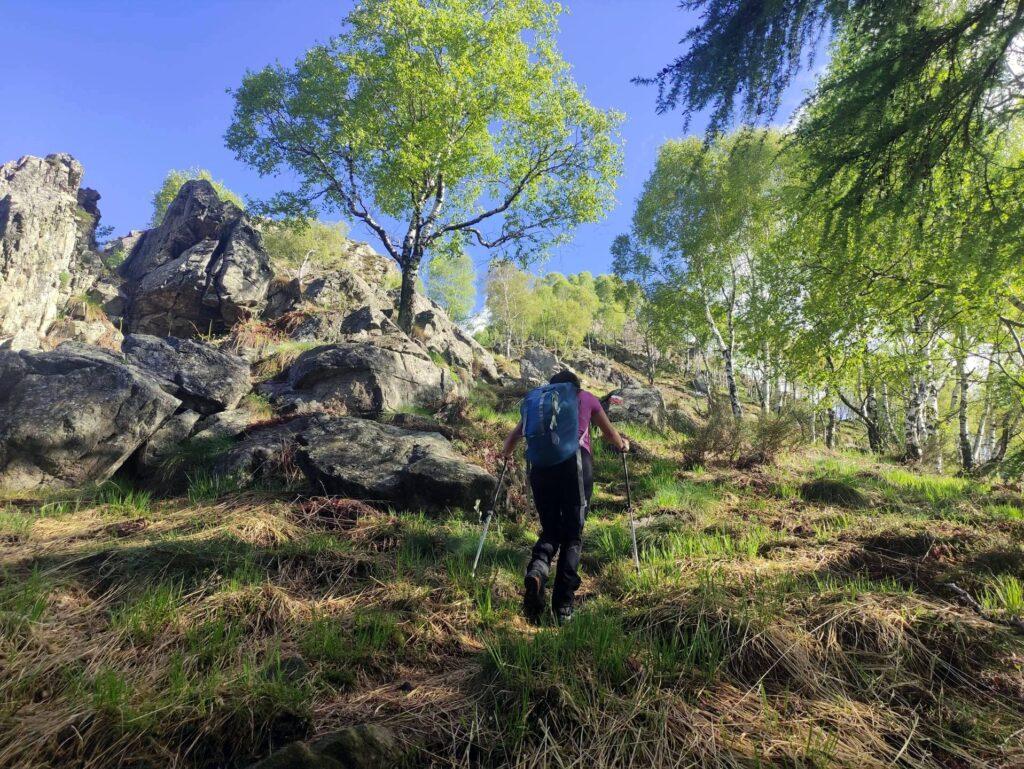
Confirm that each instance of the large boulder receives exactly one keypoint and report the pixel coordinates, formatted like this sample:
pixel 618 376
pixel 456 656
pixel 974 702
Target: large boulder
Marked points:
pixel 47 227
pixel 337 290
pixel 73 415
pixel 262 451
pixel 205 379
pixel 381 463
pixel 536 366
pixel 201 271
pixel 367 378
pixel 150 462
pixel 639 405
pixel 597 368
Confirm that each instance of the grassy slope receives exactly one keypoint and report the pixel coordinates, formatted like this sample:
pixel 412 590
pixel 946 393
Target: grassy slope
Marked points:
pixel 763 630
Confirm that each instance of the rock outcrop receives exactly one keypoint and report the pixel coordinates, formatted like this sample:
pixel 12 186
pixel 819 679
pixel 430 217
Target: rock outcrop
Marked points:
pixel 73 415
pixel 597 368
pixel 536 365
pixel 378 463
pixel 640 405
pixel 205 379
pixel 435 331
pixel 149 463
pixel 46 240
pixel 384 464
pixel 201 271
pixel 339 304
pixel 365 378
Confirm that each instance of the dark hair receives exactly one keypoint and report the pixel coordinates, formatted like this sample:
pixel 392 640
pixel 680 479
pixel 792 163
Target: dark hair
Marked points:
pixel 565 375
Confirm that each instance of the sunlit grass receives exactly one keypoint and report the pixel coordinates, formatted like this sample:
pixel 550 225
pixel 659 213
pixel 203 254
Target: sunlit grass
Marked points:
pixel 933 489
pixel 1004 593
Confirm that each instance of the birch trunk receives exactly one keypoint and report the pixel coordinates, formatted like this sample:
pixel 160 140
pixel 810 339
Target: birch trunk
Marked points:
pixel 966 449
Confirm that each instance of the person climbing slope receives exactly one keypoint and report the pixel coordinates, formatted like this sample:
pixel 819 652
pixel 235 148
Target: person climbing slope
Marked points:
pixel 561 477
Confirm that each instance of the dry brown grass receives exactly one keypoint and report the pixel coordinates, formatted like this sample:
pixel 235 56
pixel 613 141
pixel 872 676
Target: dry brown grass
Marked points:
pixel 763 630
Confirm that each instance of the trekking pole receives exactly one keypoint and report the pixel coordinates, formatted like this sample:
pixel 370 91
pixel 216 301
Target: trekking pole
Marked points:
pixel 629 507
pixel 490 513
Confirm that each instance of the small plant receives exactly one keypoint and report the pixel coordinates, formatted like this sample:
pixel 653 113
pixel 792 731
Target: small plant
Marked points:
pixel 118 496
pixel 259 407
pixel 1004 593
pixel 204 486
pixel 720 436
pixel 193 456
pixel 279 356
pixel 829 491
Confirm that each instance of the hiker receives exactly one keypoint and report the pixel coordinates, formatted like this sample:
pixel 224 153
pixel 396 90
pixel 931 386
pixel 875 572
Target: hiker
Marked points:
pixel 562 478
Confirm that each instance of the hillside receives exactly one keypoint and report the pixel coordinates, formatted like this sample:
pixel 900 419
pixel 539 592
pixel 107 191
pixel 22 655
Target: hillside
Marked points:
pixel 765 627
pixel 240 507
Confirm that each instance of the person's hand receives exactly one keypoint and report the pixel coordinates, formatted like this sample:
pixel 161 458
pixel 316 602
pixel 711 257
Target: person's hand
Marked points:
pixel 624 446
pixel 507 452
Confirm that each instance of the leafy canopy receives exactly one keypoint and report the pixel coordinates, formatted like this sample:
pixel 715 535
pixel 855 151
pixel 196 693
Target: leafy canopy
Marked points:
pixel 451 282
pixel 292 243
pixel 435 122
pixel 910 86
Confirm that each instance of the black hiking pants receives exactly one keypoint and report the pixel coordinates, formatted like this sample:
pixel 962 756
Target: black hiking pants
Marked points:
pixel 562 495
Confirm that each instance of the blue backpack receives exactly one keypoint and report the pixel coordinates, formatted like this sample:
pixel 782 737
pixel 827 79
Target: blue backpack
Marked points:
pixel 550 416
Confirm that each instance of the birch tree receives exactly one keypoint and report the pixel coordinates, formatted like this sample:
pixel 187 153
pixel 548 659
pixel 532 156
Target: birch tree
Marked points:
pixel 433 123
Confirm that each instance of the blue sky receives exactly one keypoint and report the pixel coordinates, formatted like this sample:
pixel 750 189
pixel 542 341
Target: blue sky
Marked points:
pixel 133 88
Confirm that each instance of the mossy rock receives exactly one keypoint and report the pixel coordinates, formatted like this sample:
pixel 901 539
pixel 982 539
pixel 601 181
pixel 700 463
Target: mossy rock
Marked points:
pixel 828 491
pixel 366 746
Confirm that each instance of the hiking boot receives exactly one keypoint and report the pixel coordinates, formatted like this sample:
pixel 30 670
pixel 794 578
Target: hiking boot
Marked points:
pixel 563 614
pixel 533 598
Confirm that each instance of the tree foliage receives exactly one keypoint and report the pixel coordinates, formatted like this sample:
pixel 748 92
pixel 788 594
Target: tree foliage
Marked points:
pixel 295 243
pixel 436 124
pixel 910 88
pixel 563 312
pixel 451 282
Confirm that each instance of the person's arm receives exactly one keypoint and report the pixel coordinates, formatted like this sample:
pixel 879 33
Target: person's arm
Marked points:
pixel 512 440
pixel 608 431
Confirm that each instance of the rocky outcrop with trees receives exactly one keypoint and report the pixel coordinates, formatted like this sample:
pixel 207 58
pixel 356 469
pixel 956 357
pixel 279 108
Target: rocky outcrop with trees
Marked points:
pixel 199 301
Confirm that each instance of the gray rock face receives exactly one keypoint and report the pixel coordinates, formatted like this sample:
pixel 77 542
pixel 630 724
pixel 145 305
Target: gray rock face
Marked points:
pixel 368 321
pixel 339 291
pixel 379 463
pixel 201 271
pixel 336 305
pixel 537 365
pixel 204 378
pixel 259 452
pixel 600 369
pixel 640 405
pixel 73 415
pixel 226 424
pixel 434 330
pixel 368 378
pixel 46 233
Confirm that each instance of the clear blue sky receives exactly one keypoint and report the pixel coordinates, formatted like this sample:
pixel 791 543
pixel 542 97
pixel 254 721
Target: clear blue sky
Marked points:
pixel 133 88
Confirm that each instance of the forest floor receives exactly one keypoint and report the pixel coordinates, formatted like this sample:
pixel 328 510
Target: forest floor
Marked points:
pixel 797 615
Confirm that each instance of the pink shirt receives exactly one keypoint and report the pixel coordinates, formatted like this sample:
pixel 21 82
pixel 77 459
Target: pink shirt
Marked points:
pixel 588 405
